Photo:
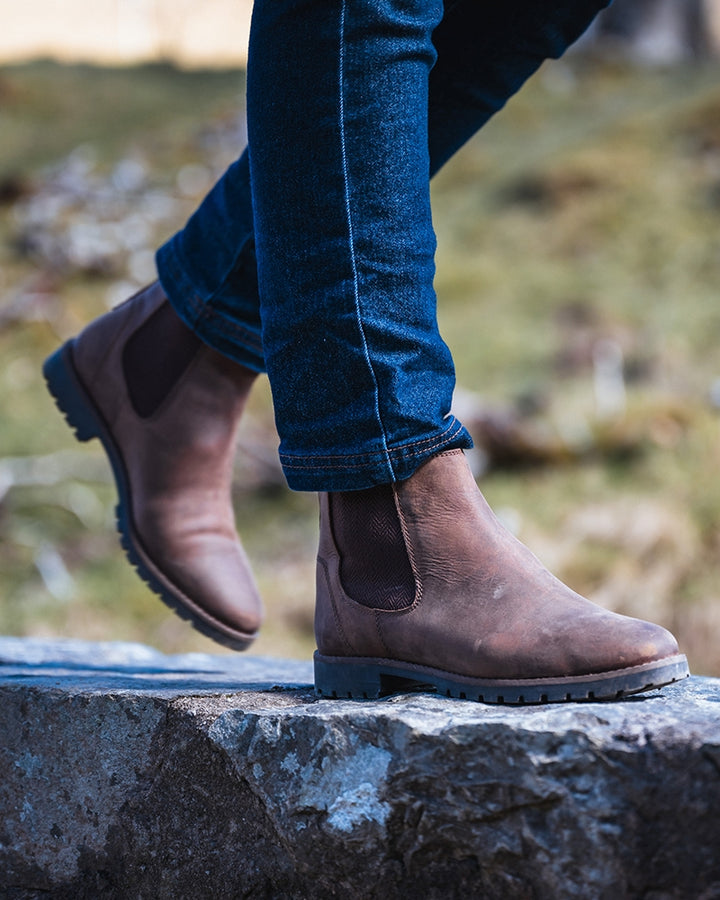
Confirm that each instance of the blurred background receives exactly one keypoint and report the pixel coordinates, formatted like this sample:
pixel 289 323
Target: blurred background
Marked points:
pixel 578 273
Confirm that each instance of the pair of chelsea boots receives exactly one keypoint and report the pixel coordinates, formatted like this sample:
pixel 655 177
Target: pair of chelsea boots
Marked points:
pixel 418 583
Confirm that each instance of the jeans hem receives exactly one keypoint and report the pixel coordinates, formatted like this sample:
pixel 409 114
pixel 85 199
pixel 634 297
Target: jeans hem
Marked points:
pixel 357 471
pixel 215 329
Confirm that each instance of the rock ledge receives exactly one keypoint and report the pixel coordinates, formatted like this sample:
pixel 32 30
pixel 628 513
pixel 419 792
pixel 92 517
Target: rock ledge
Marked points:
pixel 126 773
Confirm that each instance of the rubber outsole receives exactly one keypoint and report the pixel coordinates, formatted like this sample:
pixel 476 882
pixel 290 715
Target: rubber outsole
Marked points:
pixel 370 679
pixel 83 417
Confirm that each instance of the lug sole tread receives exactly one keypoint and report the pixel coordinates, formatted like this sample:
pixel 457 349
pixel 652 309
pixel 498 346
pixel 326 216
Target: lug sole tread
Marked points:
pixel 366 679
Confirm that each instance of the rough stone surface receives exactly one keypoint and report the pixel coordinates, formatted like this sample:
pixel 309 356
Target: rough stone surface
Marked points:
pixel 128 774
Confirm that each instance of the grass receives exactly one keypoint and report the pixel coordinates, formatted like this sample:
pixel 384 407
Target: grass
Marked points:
pixel 588 210
pixel 46 110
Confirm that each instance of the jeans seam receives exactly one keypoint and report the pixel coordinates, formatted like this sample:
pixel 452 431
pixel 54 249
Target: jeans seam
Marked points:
pixel 204 311
pixel 230 269
pixel 415 447
pixel 351 236
pixel 211 316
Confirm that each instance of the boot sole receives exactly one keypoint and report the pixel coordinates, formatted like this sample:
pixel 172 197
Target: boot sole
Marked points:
pixel 86 420
pixel 359 678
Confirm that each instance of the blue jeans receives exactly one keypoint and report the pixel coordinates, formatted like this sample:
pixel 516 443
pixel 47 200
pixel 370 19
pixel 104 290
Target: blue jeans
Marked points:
pixel 313 257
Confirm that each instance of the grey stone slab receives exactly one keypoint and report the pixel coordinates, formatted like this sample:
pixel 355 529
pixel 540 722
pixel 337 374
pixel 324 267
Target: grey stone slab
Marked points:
pixel 114 666
pixel 124 773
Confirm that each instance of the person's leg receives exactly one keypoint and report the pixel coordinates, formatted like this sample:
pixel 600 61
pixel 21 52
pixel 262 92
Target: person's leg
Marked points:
pixel 210 271
pixel 486 52
pixel 344 238
pixel 362 382
pixel 418 583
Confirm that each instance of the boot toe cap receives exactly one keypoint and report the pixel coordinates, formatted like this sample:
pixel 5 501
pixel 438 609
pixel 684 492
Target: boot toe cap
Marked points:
pixel 209 581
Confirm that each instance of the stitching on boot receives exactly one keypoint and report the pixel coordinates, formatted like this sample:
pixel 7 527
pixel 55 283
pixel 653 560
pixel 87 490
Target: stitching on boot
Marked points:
pixel 409 549
pixel 378 629
pixel 333 605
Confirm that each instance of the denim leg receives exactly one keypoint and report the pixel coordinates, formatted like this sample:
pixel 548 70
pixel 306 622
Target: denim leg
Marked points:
pixel 485 53
pixel 337 129
pixel 209 270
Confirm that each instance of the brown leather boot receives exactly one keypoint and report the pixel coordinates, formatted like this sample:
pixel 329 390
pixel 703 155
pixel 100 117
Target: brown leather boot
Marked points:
pixel 420 586
pixel 171 449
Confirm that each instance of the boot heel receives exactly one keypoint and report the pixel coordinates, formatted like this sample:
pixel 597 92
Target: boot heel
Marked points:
pixel 69 394
pixel 346 679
